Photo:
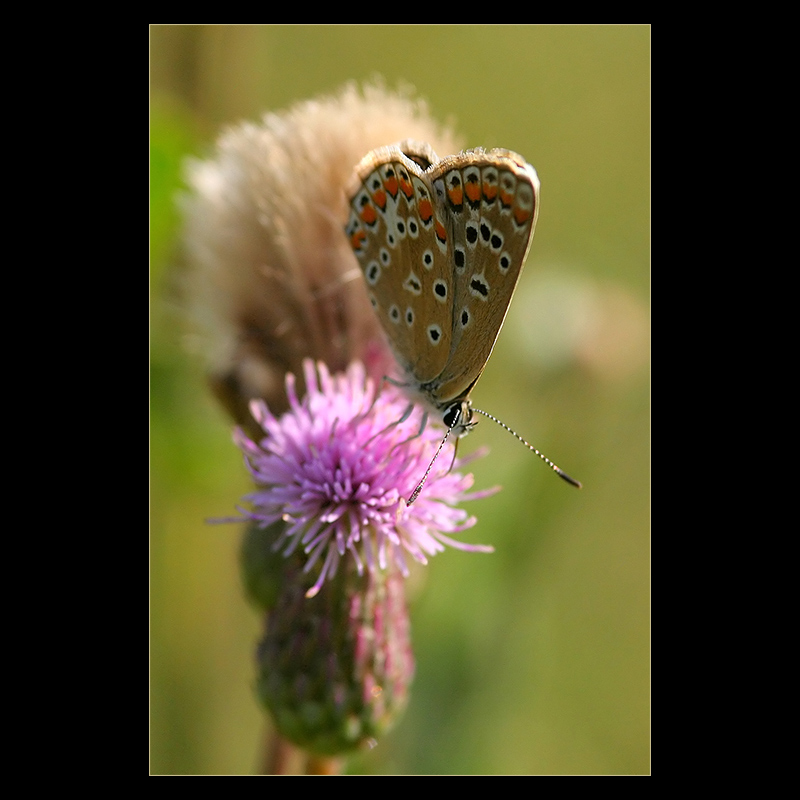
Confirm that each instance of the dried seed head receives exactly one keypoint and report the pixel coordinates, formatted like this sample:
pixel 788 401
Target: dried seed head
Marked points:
pixel 272 279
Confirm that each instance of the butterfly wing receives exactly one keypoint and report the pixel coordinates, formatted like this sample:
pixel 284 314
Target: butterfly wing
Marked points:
pixel 490 200
pixel 401 246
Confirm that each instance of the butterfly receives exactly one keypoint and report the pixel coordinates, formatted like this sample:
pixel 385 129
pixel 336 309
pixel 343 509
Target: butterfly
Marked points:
pixel 442 243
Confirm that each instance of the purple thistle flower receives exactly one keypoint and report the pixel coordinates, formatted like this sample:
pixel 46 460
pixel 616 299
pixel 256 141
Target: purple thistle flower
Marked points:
pixel 337 468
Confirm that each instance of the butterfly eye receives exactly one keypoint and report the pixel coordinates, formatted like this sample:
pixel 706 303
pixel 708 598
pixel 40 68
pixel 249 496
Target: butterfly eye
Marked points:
pixel 451 415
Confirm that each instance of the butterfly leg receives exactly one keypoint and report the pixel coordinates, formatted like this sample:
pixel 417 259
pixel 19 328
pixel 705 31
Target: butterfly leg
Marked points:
pixel 398 384
pixel 423 425
pixel 455 453
pixel 403 418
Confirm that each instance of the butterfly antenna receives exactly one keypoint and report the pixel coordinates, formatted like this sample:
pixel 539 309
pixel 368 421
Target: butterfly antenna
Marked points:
pixel 560 472
pixel 415 494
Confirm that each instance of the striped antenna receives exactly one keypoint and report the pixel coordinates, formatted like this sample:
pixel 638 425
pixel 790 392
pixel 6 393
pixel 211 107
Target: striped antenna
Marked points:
pixel 416 492
pixel 560 472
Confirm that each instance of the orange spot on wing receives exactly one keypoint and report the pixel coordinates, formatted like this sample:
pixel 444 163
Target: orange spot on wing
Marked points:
pixel 521 215
pixel 425 210
pixel 490 191
pixel 456 195
pixel 506 199
pixel 473 191
pixel 441 233
pixel 390 184
pixel 357 239
pixel 369 214
pixel 379 198
pixel 408 189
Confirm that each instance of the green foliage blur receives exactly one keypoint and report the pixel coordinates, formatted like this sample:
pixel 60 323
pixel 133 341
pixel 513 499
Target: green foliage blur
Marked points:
pixel 532 660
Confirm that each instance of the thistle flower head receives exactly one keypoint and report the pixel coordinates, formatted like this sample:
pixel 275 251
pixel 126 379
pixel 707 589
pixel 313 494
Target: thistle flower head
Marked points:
pixel 337 467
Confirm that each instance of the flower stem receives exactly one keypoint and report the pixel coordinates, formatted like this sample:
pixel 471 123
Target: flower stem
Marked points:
pixel 281 757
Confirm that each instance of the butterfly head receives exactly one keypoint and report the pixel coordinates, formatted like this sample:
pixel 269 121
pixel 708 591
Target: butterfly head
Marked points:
pixel 459 417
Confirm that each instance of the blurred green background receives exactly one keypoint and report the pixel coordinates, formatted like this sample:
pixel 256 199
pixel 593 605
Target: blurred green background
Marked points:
pixel 533 660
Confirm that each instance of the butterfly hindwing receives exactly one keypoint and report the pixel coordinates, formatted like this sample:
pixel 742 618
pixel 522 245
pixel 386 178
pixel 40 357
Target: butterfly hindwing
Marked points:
pixel 495 222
